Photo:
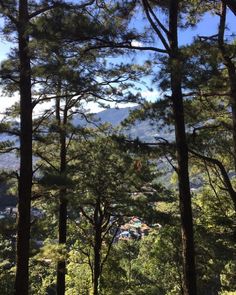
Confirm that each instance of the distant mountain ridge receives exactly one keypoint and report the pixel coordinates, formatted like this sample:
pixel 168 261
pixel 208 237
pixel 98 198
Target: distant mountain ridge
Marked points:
pixel 115 115
pixel 141 129
pixel 144 130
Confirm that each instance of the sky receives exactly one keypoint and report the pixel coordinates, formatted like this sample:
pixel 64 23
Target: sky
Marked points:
pixel 206 27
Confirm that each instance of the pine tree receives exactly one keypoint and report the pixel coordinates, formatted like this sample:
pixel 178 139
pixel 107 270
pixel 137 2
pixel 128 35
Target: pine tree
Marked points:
pixel 20 15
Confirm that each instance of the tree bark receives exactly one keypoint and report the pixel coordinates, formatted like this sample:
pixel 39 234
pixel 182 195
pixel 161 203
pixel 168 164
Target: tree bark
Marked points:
pixel 62 234
pixel 231 4
pixel 97 249
pixel 231 74
pixel 97 262
pixel 189 284
pixel 62 227
pixel 25 178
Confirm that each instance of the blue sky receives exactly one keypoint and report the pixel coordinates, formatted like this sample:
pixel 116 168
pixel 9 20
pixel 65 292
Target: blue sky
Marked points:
pixel 207 26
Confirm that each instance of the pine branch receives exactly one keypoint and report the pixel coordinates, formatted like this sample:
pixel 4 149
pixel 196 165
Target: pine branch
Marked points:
pixel 224 173
pixel 125 46
pixel 46 160
pixel 91 221
pixel 109 249
pixel 59 5
pixel 208 38
pixel 146 7
pixel 164 29
pixel 7 13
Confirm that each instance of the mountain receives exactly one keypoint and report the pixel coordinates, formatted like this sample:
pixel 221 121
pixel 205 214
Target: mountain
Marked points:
pixel 144 130
pixel 114 116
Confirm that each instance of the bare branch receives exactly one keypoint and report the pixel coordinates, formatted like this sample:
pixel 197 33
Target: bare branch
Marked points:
pixel 109 249
pixel 224 174
pixel 8 150
pixel 231 4
pixel 125 46
pixel 86 215
pixel 208 38
pixel 164 29
pixel 46 160
pixel 154 26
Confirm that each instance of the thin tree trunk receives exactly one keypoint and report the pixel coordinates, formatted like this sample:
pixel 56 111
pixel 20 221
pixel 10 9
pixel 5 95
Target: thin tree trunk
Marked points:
pixel 231 4
pixel 97 249
pixel 231 74
pixel 62 227
pixel 97 262
pixel 25 179
pixel 233 110
pixel 62 234
pixel 184 194
pixel 189 284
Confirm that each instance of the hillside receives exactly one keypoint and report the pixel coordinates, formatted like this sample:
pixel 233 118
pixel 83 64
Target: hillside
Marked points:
pixel 114 116
pixel 144 130
pixel 141 129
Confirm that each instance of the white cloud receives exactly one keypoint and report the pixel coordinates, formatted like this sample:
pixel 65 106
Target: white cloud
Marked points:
pixel 136 43
pixel 151 95
pixel 7 101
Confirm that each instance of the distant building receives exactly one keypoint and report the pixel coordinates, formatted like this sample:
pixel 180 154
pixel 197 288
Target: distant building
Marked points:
pixel 134 229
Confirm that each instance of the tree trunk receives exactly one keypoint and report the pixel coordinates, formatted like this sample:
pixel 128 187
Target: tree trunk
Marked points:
pixel 97 249
pixel 233 111
pixel 62 227
pixel 231 74
pixel 62 234
pixel 184 191
pixel 231 4
pixel 189 284
pixel 96 269
pixel 25 178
